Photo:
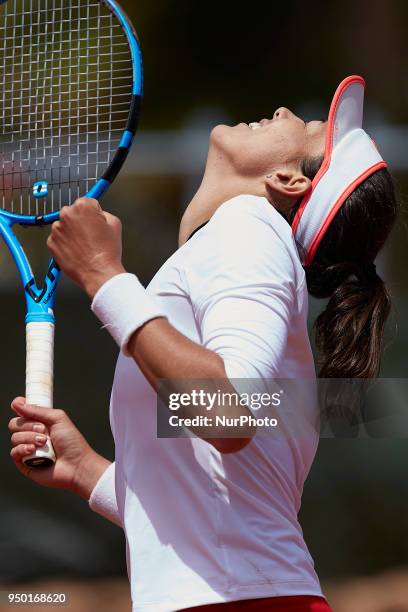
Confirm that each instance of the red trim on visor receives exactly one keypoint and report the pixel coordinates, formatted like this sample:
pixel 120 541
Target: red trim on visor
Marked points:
pixel 329 144
pixel 336 207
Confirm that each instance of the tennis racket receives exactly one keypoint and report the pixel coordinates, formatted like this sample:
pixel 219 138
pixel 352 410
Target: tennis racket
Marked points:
pixel 71 78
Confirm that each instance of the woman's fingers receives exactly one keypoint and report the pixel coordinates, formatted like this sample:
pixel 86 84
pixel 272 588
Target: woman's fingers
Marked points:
pixel 21 424
pixel 19 452
pixel 48 416
pixel 27 437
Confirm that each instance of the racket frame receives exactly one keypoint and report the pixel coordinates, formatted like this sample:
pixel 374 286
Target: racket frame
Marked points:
pixel 40 301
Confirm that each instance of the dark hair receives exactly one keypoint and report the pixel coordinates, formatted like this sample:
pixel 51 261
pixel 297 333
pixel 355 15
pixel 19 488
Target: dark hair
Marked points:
pixel 349 331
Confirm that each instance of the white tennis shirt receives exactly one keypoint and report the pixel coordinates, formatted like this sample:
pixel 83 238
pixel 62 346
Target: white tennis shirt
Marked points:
pixel 202 527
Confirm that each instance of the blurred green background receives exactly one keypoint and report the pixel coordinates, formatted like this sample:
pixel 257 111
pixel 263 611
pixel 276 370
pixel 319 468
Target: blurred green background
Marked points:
pixel 207 63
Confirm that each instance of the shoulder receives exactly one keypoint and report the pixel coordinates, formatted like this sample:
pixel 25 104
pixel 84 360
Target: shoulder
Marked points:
pixel 252 206
pixel 255 217
pixel 249 230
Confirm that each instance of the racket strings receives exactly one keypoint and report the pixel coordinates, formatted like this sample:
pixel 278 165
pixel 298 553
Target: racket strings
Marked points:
pixel 66 77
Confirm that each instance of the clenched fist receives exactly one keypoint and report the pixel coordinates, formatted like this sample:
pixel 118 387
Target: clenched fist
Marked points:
pixel 86 243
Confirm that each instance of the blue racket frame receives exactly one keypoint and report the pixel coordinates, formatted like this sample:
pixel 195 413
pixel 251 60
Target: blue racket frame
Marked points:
pixel 40 301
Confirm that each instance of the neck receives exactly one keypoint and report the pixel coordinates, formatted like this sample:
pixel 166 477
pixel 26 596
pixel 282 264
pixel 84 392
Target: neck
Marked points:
pixel 218 186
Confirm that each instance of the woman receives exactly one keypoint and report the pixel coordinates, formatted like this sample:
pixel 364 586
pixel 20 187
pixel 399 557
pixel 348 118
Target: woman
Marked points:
pixel 211 521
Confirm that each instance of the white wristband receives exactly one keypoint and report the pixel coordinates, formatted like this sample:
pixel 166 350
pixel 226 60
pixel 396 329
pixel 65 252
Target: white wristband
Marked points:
pixel 103 497
pixel 123 305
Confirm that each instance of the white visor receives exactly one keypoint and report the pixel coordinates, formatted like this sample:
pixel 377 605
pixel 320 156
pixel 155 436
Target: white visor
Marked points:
pixel 350 157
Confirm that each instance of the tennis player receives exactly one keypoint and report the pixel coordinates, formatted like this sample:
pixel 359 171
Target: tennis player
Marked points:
pixel 284 207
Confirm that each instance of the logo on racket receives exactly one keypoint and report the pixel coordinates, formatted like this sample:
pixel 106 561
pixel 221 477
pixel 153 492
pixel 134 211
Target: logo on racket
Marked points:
pixel 40 189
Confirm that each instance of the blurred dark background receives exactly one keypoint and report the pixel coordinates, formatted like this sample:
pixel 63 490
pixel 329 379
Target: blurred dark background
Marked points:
pixel 207 63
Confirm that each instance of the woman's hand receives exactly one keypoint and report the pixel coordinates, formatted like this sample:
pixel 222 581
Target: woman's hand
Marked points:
pixel 78 466
pixel 86 243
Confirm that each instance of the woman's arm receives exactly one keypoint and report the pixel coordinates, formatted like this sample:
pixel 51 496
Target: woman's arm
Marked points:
pixel 242 302
pixel 86 243
pixel 164 354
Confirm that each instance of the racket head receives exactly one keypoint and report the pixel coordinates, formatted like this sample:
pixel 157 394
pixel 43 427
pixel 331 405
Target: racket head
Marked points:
pixel 72 83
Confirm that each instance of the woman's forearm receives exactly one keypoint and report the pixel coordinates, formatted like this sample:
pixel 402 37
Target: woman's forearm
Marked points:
pixel 173 363
pixel 162 352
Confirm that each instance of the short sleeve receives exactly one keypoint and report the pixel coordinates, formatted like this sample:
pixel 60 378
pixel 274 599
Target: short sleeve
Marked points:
pixel 243 289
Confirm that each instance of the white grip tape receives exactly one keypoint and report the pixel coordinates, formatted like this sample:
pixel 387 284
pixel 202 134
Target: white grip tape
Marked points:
pixel 40 364
pixel 40 373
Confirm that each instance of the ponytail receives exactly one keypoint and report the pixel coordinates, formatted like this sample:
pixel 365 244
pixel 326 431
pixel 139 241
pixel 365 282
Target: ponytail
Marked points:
pixel 349 331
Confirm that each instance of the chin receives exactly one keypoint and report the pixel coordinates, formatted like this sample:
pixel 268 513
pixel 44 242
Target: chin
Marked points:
pixel 226 139
pixel 219 132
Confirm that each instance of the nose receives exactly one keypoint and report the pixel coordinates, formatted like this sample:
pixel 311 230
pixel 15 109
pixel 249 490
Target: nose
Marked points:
pixel 283 113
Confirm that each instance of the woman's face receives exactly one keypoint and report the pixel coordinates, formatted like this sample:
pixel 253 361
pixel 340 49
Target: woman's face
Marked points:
pixel 256 149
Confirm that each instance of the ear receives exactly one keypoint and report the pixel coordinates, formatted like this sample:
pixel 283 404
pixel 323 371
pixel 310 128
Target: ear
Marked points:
pixel 287 184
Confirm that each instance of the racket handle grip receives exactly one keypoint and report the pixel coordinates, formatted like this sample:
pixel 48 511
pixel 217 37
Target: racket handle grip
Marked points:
pixel 39 382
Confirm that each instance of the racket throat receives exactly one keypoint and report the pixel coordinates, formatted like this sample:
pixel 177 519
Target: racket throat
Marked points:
pixel 40 302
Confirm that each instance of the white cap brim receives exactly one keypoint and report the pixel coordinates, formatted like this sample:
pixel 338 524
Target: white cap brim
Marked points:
pixel 350 157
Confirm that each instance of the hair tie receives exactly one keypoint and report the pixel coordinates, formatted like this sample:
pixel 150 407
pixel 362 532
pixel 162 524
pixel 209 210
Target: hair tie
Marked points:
pixel 367 275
